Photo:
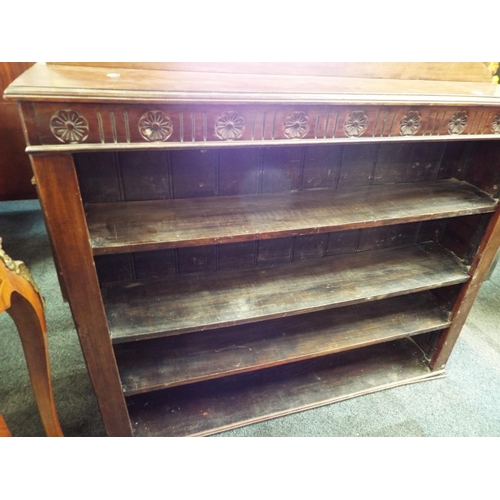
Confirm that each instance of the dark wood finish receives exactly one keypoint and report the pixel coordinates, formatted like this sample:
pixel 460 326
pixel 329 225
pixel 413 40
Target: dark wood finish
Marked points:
pixel 231 402
pixel 479 271
pixel 60 199
pixel 268 252
pixel 463 235
pixel 149 225
pixel 261 124
pixel 159 175
pixel 231 202
pixel 20 297
pixel 185 359
pixel 193 102
pixel 484 168
pixel 181 304
pixel 15 169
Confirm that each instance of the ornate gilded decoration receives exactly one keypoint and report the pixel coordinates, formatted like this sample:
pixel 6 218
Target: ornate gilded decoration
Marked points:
pixel 296 125
pixel 410 123
pixel 155 126
pixel 458 122
pixel 356 124
pixel 19 267
pixel 495 126
pixel 229 125
pixel 69 126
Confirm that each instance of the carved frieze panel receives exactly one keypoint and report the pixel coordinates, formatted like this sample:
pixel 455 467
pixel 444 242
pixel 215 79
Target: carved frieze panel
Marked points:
pixel 123 125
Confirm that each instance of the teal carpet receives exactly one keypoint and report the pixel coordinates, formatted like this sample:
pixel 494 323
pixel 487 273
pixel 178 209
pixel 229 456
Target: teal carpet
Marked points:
pixel 465 403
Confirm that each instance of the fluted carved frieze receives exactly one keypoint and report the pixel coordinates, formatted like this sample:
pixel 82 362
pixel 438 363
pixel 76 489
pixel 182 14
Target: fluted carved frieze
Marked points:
pixel 119 124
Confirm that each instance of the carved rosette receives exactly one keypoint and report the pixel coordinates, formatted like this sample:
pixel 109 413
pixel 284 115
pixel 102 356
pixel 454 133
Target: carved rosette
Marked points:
pixel 155 126
pixel 410 123
pixel 356 124
pixel 458 122
pixel 296 125
pixel 495 126
pixel 229 125
pixel 69 126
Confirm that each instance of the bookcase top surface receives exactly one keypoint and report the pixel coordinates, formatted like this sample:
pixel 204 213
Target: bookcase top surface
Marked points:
pixel 183 82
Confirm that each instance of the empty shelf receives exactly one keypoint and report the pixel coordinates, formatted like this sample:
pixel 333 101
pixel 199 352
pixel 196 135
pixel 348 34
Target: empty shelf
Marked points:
pixel 203 301
pixel 183 359
pixel 222 404
pixel 148 225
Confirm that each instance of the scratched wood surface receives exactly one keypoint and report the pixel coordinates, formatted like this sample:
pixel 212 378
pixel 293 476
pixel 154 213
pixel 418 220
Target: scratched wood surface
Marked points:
pixel 77 83
pixel 181 304
pixel 184 359
pixel 455 71
pixel 230 402
pixel 224 238
pixel 263 253
pixel 148 225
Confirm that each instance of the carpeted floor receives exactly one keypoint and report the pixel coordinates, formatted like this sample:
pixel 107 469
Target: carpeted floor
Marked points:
pixel 465 403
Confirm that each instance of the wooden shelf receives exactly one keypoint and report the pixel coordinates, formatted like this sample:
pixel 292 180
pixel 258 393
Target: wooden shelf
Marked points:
pixel 236 246
pixel 183 359
pixel 148 225
pixel 202 301
pixel 230 402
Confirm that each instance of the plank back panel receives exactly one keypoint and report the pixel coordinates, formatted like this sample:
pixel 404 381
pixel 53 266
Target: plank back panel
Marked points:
pixel 424 161
pixel 153 175
pixel 99 178
pixel 484 169
pixel 194 173
pixel 239 171
pixel 321 167
pixel 282 169
pixel 454 161
pixel 392 163
pixel 145 175
pixel 357 165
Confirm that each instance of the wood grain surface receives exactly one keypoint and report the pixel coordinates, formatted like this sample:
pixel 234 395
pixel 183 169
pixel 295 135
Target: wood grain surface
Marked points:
pixel 148 225
pixel 202 301
pixel 184 359
pixel 454 71
pixel 77 83
pixel 223 404
pixel 63 211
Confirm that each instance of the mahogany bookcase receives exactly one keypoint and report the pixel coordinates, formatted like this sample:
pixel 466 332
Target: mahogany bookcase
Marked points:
pixel 239 246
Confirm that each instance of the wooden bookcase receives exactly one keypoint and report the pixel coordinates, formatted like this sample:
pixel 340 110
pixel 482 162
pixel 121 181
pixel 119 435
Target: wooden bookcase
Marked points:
pixel 237 247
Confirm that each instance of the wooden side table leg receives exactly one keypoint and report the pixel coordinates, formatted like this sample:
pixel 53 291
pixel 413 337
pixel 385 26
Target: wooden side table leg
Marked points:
pixel 30 323
pixel 20 297
pixel 4 430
